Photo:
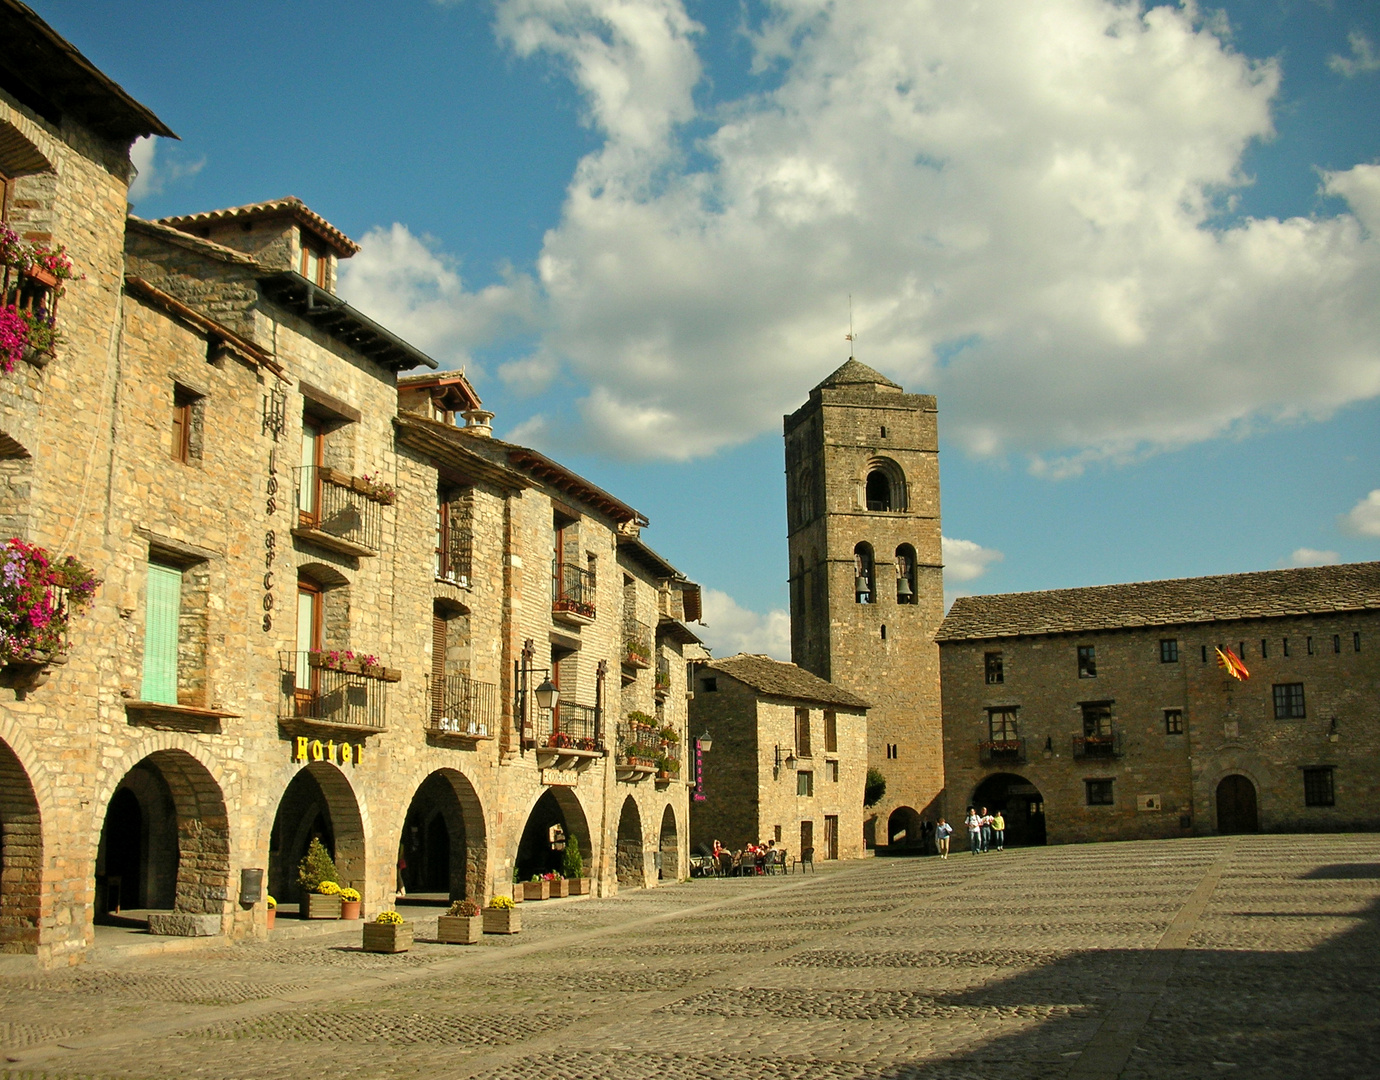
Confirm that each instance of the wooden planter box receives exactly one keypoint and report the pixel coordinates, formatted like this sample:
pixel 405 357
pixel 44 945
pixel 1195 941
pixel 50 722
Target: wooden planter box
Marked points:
pixel 460 929
pixel 579 886
pixel 349 909
pixel 502 920
pixel 536 890
pixel 323 907
pixel 560 888
pixel 387 937
pixel 518 892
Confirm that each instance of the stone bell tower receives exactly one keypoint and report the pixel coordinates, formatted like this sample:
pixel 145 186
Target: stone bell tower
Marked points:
pixel 867 588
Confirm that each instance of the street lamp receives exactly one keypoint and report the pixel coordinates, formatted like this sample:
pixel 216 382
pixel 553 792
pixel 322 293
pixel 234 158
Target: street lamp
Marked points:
pixel 705 742
pixel 546 694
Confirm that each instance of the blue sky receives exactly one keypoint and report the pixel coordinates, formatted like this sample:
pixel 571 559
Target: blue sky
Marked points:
pixel 1135 251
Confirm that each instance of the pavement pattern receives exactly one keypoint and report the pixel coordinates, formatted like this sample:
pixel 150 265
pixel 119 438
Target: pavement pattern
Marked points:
pixel 1209 957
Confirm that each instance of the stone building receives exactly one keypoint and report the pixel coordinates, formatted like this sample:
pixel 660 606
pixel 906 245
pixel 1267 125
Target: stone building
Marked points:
pixel 789 758
pixel 867 591
pixel 326 605
pixel 1103 714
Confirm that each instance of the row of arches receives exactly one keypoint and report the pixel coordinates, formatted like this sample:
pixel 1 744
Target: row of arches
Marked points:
pixel 165 841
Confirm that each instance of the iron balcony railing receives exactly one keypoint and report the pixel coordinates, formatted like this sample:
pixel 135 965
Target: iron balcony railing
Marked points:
pixel 642 747
pixel 998 750
pixel 663 676
pixel 568 727
pixel 572 589
pixel 340 507
pixel 327 688
pixel 637 643
pixel 455 555
pixel 461 706
pixel 1106 745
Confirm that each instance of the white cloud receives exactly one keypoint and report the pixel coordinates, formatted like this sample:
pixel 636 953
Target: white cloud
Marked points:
pixel 402 281
pixel 1363 519
pixel 729 628
pixel 965 560
pixel 1313 557
pixel 1361 60
pixel 151 175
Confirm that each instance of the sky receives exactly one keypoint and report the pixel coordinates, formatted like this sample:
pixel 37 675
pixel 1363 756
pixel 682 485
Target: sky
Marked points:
pixel 1133 249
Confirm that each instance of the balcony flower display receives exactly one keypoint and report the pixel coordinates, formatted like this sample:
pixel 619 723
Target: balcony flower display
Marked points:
pixel 372 486
pixel 34 278
pixel 38 597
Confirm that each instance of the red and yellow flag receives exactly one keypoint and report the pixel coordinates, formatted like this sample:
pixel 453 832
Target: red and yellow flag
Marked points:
pixel 1231 664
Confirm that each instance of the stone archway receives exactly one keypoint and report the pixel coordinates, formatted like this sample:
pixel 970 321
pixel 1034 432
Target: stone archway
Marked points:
pixel 21 857
pixel 1021 804
pixel 165 841
pixel 903 829
pixel 632 868
pixel 670 846
pixel 1237 810
pixel 318 803
pixel 444 843
pixel 556 819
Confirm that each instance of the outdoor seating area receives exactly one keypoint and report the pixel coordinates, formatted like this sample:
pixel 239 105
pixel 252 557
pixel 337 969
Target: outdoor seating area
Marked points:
pixel 755 860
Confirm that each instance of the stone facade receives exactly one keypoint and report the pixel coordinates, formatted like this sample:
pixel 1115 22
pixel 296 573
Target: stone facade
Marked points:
pixel 788 761
pixel 862 500
pixel 318 590
pixel 1103 713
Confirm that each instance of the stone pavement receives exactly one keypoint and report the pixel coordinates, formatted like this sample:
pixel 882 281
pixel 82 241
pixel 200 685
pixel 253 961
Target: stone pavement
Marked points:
pixel 1244 956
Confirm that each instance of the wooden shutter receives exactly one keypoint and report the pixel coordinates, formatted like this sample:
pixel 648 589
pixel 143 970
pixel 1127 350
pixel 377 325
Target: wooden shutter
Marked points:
pixel 438 665
pixel 162 604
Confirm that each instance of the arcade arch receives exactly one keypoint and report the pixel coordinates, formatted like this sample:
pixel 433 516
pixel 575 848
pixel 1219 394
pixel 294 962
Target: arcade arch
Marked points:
pixel 632 868
pixel 1021 804
pixel 556 819
pixel 903 828
pixel 318 803
pixel 670 846
pixel 21 856
pixel 444 848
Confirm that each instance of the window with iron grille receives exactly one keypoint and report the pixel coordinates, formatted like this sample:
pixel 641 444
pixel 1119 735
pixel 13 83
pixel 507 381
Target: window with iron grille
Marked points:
pixel 1317 787
pixel 992 667
pixel 1169 650
pixel 1173 721
pixel 1087 661
pixel 1099 792
pixel 1289 701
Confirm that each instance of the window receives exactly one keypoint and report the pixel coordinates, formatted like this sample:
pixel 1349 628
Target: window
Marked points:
pixel 1205 654
pixel 1097 718
pixel 883 631
pixel 1241 649
pixel 832 771
pixel 1336 643
pixel 777 833
pixel 883 431
pixel 831 732
pixel 1286 646
pixel 805 783
pixel 1356 641
pixel 162 609
pixel 905 575
pixel 314 262
pixel 992 668
pixel 1289 701
pixel 309 622
pixel 1169 651
pixel 710 685
pixel 802 733
pixel 1001 724
pixel 1264 648
pixel 1317 787
pixel 1087 661
pixel 863 569
pixel 891 752
pixel 1099 792
pixel 1310 644
pixel 1173 721
pixel 878 490
pixel 309 488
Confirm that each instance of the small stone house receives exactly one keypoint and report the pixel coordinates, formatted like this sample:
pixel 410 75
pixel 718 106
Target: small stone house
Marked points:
pixel 788 760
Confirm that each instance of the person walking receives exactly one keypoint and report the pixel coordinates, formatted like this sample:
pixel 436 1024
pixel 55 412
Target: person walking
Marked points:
pixel 974 824
pixel 985 820
pixel 942 832
pixel 999 830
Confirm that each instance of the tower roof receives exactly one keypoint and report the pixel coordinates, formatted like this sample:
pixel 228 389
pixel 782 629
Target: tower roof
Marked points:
pixel 854 373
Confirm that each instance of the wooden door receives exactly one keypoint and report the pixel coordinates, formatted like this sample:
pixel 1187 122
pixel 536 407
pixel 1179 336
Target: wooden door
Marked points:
pixel 831 836
pixel 807 839
pixel 1236 806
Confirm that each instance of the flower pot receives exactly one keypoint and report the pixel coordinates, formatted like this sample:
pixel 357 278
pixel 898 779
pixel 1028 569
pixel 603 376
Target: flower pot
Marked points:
pixel 37 357
pixel 579 886
pixel 41 275
pixel 24 675
pixel 270 915
pixel 349 909
pixel 460 929
pixel 387 937
pixel 323 907
pixel 560 888
pixel 536 890
pixel 502 920
pixel 518 892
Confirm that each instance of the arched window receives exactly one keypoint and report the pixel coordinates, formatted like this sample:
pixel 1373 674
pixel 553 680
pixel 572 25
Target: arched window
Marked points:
pixel 878 490
pixel 864 585
pixel 884 487
pixel 905 575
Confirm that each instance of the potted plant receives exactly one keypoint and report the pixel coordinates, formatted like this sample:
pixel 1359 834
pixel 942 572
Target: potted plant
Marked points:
pixel 573 867
pixel 502 916
pixel 559 885
pixel 669 736
pixel 387 934
pixel 463 924
pixel 349 903
pixel 663 767
pixel 272 912
pixel 317 876
pixel 536 889
pixel 38 596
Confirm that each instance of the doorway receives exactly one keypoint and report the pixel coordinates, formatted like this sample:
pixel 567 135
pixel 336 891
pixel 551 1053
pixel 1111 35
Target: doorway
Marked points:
pixel 1236 806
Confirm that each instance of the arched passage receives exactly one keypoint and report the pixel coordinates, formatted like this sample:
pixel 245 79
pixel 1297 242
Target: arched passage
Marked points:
pixel 21 857
pixel 320 803
pixel 1236 805
pixel 165 843
pixel 556 819
pixel 903 828
pixel 444 847
pixel 1021 805
pixel 670 846
pixel 632 869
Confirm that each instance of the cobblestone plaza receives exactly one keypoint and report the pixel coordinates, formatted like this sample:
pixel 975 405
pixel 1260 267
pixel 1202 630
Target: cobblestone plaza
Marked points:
pixel 1249 956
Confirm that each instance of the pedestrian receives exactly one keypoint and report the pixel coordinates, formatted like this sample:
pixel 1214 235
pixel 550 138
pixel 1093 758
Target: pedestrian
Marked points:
pixel 942 832
pixel 999 830
pixel 985 820
pixel 974 824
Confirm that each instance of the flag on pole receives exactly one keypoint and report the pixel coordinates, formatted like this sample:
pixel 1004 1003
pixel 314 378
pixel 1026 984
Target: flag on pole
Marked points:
pixel 1231 664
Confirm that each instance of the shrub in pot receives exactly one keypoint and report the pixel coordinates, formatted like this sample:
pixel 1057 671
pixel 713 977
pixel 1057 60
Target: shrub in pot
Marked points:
pixel 463 924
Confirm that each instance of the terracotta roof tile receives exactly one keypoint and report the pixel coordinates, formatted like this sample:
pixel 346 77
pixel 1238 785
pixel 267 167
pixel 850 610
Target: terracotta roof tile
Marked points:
pixel 289 206
pixel 777 679
pixel 855 373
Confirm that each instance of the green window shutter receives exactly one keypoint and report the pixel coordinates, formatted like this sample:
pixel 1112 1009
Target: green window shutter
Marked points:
pixel 162 605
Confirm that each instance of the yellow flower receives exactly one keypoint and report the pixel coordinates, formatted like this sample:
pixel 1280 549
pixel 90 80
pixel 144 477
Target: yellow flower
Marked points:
pixel 501 902
pixel 328 888
pixel 351 895
pixel 389 918
pixel 271 902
